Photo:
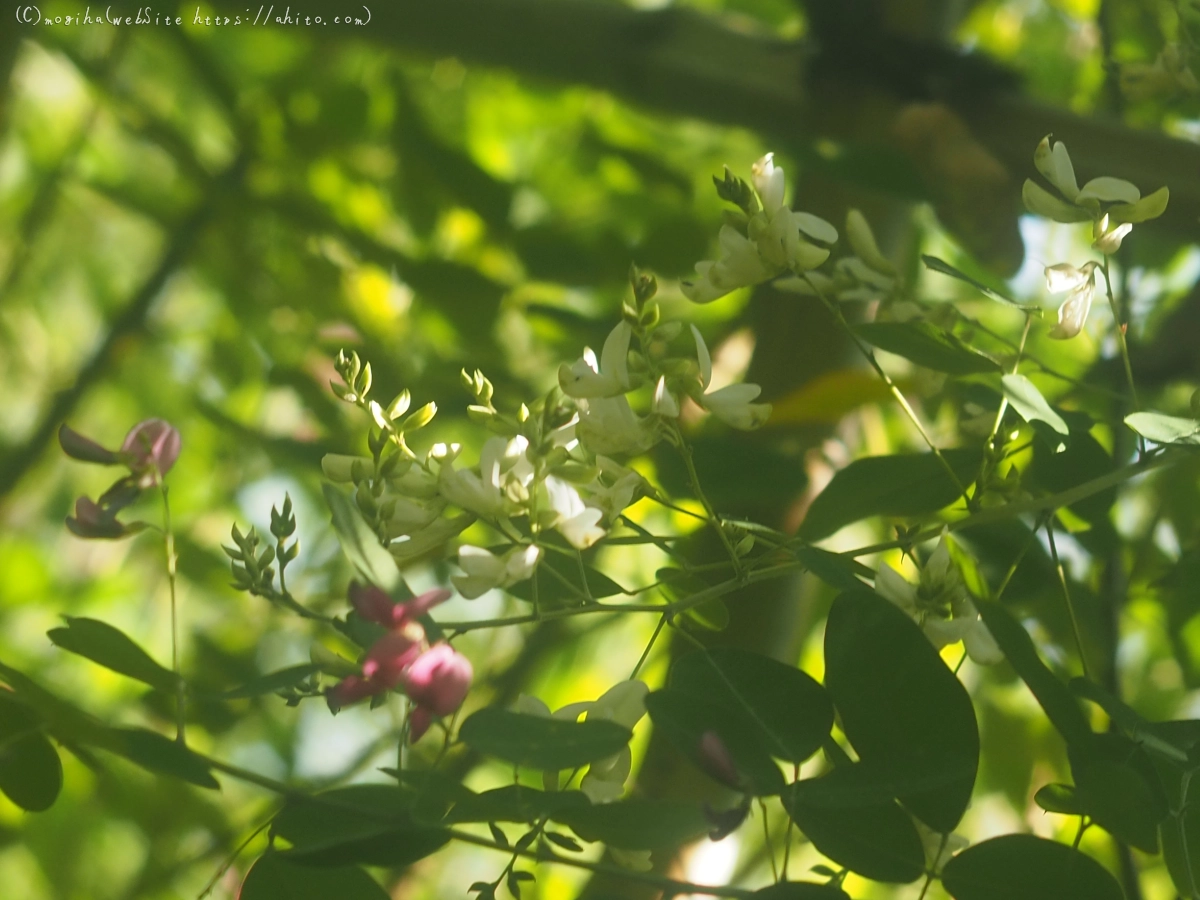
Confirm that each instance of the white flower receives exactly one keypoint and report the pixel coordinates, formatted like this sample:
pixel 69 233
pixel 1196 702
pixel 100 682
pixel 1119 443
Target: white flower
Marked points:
pixel 777 240
pixel 731 404
pixel 940 604
pixel 625 704
pixel 575 521
pixel 738 265
pixel 664 402
pixel 485 571
pixel 609 426
pixel 612 499
pixel 584 378
pixel 1097 201
pixel 407 516
pixel 768 182
pixel 1081 283
pixel 428 538
pixel 477 493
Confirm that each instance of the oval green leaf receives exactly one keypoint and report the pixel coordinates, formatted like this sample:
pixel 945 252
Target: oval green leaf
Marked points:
pixel 274 878
pixel 1032 868
pixel 791 713
pixel 364 824
pixel 684 718
pixel 109 647
pixel 904 485
pixel 540 742
pixel 926 345
pixel 30 771
pixel 1163 429
pixel 879 842
pixel 904 711
pixel 636 824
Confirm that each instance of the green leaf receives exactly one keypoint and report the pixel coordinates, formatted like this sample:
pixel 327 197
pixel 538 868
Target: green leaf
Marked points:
pixel 879 842
pixel 1082 460
pixel 792 715
pixel 364 824
pixel 1180 836
pixel 1053 696
pixel 1163 429
pixel 1059 798
pixel 636 824
pixel 944 268
pixel 152 751
pixel 801 890
pixel 513 803
pixel 540 742
pixel 904 711
pixel 359 543
pixel 855 785
pixel 107 646
pixel 684 717
pixel 904 486
pixel 926 345
pixel 560 583
pixel 272 682
pixel 1117 786
pixel 1030 405
pixel 273 878
pixel 835 570
pixel 1032 868
pixel 30 771
pixel 1130 721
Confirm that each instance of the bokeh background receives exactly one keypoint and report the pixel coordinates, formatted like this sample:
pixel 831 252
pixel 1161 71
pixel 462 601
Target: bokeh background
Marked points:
pixel 194 220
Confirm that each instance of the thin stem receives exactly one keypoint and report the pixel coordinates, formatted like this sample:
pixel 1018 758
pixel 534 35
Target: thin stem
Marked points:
pixel 180 687
pixel 896 393
pixel 667 884
pixel 767 840
pixel 1121 326
pixel 1033 505
pixel 232 858
pixel 787 832
pixel 685 451
pixel 649 646
pixel 987 444
pixel 1062 580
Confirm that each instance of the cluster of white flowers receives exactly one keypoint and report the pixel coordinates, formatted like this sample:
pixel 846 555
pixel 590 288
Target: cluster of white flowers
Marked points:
pixel 607 423
pixel 941 605
pixel 1112 205
pixel 623 703
pixel 765 240
pixel 866 275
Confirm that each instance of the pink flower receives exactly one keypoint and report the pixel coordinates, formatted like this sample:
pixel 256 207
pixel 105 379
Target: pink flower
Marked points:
pixel 382 669
pixel 437 682
pixel 716 760
pixel 376 606
pixel 151 448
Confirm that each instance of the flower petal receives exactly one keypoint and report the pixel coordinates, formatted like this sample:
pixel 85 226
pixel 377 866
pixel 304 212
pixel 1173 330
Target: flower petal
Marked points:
pixel 815 227
pixel 1107 189
pixel 1041 202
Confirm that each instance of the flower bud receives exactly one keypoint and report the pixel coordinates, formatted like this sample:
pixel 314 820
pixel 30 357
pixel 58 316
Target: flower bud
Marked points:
pixel 151 448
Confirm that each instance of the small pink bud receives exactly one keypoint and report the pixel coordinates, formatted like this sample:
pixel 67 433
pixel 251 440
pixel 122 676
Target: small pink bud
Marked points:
pixel 716 760
pixel 439 679
pixel 84 449
pixel 151 447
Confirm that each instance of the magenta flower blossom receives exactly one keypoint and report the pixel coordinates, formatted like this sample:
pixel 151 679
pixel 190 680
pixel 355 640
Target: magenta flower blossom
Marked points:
pixel 437 683
pixel 376 606
pixel 150 449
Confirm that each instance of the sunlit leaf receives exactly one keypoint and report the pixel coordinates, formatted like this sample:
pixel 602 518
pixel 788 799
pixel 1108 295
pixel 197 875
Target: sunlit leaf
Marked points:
pixel 109 647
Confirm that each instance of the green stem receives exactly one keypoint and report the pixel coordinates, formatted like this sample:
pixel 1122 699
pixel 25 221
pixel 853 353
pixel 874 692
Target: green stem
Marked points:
pixel 180 687
pixel 987 444
pixel 1121 326
pixel 895 391
pixel 649 646
pixel 1062 580
pixel 685 451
